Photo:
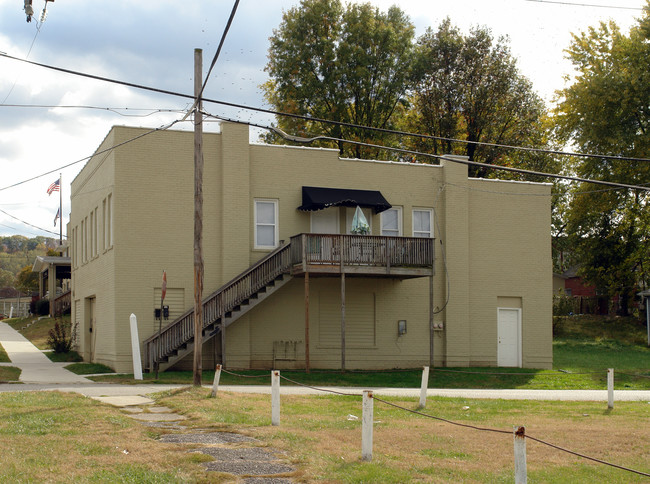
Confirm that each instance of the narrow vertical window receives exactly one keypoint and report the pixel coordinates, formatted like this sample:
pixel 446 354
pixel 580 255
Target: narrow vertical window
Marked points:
pixel 391 222
pixel 109 219
pixel 423 222
pixel 95 235
pixel 91 233
pixel 104 233
pixel 82 241
pixel 266 224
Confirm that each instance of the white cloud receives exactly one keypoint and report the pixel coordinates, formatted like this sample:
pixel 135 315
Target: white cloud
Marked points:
pixel 152 43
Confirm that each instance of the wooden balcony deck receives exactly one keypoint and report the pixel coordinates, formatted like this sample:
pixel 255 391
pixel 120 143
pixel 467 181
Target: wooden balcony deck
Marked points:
pixel 362 255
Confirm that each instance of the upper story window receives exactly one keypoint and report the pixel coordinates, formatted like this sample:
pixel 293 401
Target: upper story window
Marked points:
pixel 391 222
pixel 266 224
pixel 422 222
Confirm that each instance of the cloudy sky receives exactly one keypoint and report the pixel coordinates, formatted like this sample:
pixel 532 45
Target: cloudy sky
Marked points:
pixel 49 120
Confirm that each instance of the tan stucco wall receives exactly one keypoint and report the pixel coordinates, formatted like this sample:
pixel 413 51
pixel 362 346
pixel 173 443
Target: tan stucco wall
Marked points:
pixel 496 237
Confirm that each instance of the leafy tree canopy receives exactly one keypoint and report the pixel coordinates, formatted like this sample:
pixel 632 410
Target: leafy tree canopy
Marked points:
pixel 351 64
pixel 470 89
pixel 606 109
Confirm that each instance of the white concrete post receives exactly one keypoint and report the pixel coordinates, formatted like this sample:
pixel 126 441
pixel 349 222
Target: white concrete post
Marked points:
pixel 11 312
pixel 367 419
pixel 215 383
pixel 521 475
pixel 135 348
pixel 610 387
pixel 275 398
pixel 423 388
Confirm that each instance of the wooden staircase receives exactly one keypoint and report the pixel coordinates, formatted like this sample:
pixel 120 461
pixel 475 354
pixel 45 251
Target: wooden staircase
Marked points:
pixel 228 303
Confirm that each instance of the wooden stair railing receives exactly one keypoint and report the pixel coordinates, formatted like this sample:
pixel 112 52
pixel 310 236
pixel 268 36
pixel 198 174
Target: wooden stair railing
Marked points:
pixel 217 305
pixel 61 303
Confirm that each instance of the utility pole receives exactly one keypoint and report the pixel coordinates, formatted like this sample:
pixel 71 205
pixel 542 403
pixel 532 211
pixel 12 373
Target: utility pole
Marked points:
pixel 198 217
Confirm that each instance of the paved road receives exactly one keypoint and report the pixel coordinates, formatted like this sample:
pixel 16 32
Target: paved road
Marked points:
pixel 39 373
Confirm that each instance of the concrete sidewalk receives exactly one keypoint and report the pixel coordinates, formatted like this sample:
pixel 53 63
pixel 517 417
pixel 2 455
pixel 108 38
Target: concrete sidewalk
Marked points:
pixel 39 373
pixel 35 366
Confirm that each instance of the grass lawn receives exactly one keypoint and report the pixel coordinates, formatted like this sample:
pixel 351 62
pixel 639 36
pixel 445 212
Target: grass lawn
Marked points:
pixel 62 438
pixel 4 358
pixel 326 444
pixel 55 437
pixel 9 374
pixel 583 350
pixel 37 331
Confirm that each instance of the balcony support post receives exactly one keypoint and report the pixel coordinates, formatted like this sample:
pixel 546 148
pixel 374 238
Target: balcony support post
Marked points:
pixel 342 321
pixel 307 321
pixel 431 330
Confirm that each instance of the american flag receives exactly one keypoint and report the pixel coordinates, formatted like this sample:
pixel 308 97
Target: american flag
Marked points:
pixel 58 214
pixel 54 187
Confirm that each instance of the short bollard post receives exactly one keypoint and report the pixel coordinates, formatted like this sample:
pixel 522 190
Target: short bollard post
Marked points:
pixel 215 383
pixel 521 475
pixel 135 348
pixel 275 398
pixel 610 387
pixel 367 419
pixel 423 388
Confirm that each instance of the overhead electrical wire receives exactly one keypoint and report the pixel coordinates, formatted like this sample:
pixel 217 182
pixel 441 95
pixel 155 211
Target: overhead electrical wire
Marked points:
pixel 299 139
pixel 327 121
pixel 575 4
pixel 150 111
pixel 86 158
pixel 221 42
pixel 27 223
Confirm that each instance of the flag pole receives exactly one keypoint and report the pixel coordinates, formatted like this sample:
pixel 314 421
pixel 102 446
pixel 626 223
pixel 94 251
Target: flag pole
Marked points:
pixel 60 210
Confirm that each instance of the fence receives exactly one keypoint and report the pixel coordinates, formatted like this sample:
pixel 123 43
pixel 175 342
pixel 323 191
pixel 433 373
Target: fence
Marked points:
pixel 368 398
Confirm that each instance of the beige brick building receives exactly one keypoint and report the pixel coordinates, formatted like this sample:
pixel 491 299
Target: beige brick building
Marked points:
pixel 484 301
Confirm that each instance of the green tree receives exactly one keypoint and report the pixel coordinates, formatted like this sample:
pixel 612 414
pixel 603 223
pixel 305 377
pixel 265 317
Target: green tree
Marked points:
pixel 470 89
pixel 606 110
pixel 7 278
pixel 26 280
pixel 351 64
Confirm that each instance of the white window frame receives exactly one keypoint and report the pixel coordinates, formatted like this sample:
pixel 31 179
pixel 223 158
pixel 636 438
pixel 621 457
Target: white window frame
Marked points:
pixel 274 224
pixel 430 232
pixel 399 222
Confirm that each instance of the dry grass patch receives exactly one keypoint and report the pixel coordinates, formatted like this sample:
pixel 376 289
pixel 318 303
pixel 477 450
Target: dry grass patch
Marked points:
pixel 55 437
pixel 316 433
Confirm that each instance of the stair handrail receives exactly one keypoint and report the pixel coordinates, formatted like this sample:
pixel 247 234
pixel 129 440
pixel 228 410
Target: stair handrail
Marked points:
pixel 214 307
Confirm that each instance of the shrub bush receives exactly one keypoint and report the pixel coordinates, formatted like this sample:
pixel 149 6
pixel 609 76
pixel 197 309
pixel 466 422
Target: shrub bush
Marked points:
pixel 41 307
pixel 61 338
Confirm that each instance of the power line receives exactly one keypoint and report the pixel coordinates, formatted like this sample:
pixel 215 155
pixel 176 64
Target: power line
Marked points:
pixel 38 31
pixel 27 223
pixel 162 128
pixel 328 121
pixel 223 39
pixel 150 111
pixel 299 139
pixel 585 4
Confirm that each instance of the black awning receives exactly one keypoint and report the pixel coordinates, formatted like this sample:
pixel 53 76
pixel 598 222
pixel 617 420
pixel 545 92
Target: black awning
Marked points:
pixel 318 198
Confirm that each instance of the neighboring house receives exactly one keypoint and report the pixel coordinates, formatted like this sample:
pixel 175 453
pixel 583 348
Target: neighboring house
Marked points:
pixel 574 285
pixel 585 296
pixel 54 275
pixel 285 285
pixel 559 284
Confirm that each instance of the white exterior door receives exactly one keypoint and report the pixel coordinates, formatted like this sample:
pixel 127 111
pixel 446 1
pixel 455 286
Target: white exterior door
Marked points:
pixel 509 336
pixel 325 221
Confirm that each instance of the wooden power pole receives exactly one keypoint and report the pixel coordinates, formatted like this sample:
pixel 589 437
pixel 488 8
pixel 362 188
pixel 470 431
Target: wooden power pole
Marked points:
pixel 198 217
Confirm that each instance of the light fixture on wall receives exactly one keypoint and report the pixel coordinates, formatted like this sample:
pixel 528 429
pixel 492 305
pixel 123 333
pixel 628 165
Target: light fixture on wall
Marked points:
pixel 401 327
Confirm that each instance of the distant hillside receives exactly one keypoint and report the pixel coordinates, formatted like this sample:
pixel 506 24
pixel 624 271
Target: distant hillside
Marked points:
pixel 18 251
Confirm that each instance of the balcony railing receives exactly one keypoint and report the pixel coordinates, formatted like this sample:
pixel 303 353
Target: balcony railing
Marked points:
pixel 361 253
